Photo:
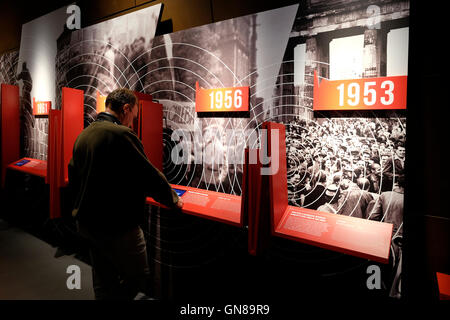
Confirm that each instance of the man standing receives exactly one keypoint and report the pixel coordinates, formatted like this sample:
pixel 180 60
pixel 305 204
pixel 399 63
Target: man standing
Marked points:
pixel 110 177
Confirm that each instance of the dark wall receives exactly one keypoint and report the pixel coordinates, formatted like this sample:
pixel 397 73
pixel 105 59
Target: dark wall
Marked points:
pixel 427 216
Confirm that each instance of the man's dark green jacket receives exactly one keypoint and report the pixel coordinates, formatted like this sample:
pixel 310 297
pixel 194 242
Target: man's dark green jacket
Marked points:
pixel 110 176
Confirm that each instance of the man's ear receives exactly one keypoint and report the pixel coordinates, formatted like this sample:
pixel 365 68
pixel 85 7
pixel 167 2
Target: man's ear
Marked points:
pixel 126 107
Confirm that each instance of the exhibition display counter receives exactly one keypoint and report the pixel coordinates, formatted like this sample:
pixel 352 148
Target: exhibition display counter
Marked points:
pixel 31 166
pixel 212 205
pixel 64 127
pixel 359 237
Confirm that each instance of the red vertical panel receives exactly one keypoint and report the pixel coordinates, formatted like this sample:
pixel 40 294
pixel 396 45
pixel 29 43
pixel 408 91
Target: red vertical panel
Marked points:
pixel 152 133
pixel 137 123
pixel 278 179
pixel 53 145
pixel 10 126
pixel 138 128
pixel 443 281
pixel 245 197
pixel 252 197
pixel 50 145
pixel 72 125
pixel 259 208
pixel 143 96
pixel 54 167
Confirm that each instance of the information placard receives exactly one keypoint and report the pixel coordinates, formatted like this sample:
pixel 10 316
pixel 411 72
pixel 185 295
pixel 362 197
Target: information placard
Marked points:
pixel 383 93
pixel 212 205
pixel 41 108
pixel 234 99
pixel 359 237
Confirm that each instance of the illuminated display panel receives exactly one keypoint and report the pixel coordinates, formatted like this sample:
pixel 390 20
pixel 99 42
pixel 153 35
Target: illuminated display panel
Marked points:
pixel 212 205
pixel 350 235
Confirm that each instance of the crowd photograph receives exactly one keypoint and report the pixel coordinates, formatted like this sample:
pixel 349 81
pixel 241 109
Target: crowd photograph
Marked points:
pixel 348 166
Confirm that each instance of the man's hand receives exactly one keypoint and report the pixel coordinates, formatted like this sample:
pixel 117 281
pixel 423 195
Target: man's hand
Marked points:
pixel 180 203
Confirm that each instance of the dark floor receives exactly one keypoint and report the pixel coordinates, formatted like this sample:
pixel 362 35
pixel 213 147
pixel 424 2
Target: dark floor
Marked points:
pixel 31 269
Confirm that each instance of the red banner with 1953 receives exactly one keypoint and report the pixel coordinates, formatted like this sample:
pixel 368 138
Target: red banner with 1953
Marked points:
pixel 383 93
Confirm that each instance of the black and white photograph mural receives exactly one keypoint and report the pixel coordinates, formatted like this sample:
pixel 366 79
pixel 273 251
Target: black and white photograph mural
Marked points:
pixel 106 56
pixel 36 78
pixel 359 156
pixel 236 52
pixel 8 67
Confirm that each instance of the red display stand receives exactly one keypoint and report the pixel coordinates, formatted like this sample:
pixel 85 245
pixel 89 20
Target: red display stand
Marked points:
pixel 221 207
pixel 64 127
pixel 10 136
pixel 72 124
pixel 358 237
pixel 225 208
pixel 211 205
pixel 10 127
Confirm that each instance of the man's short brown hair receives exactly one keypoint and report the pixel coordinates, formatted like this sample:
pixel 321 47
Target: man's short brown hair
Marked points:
pixel 119 97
